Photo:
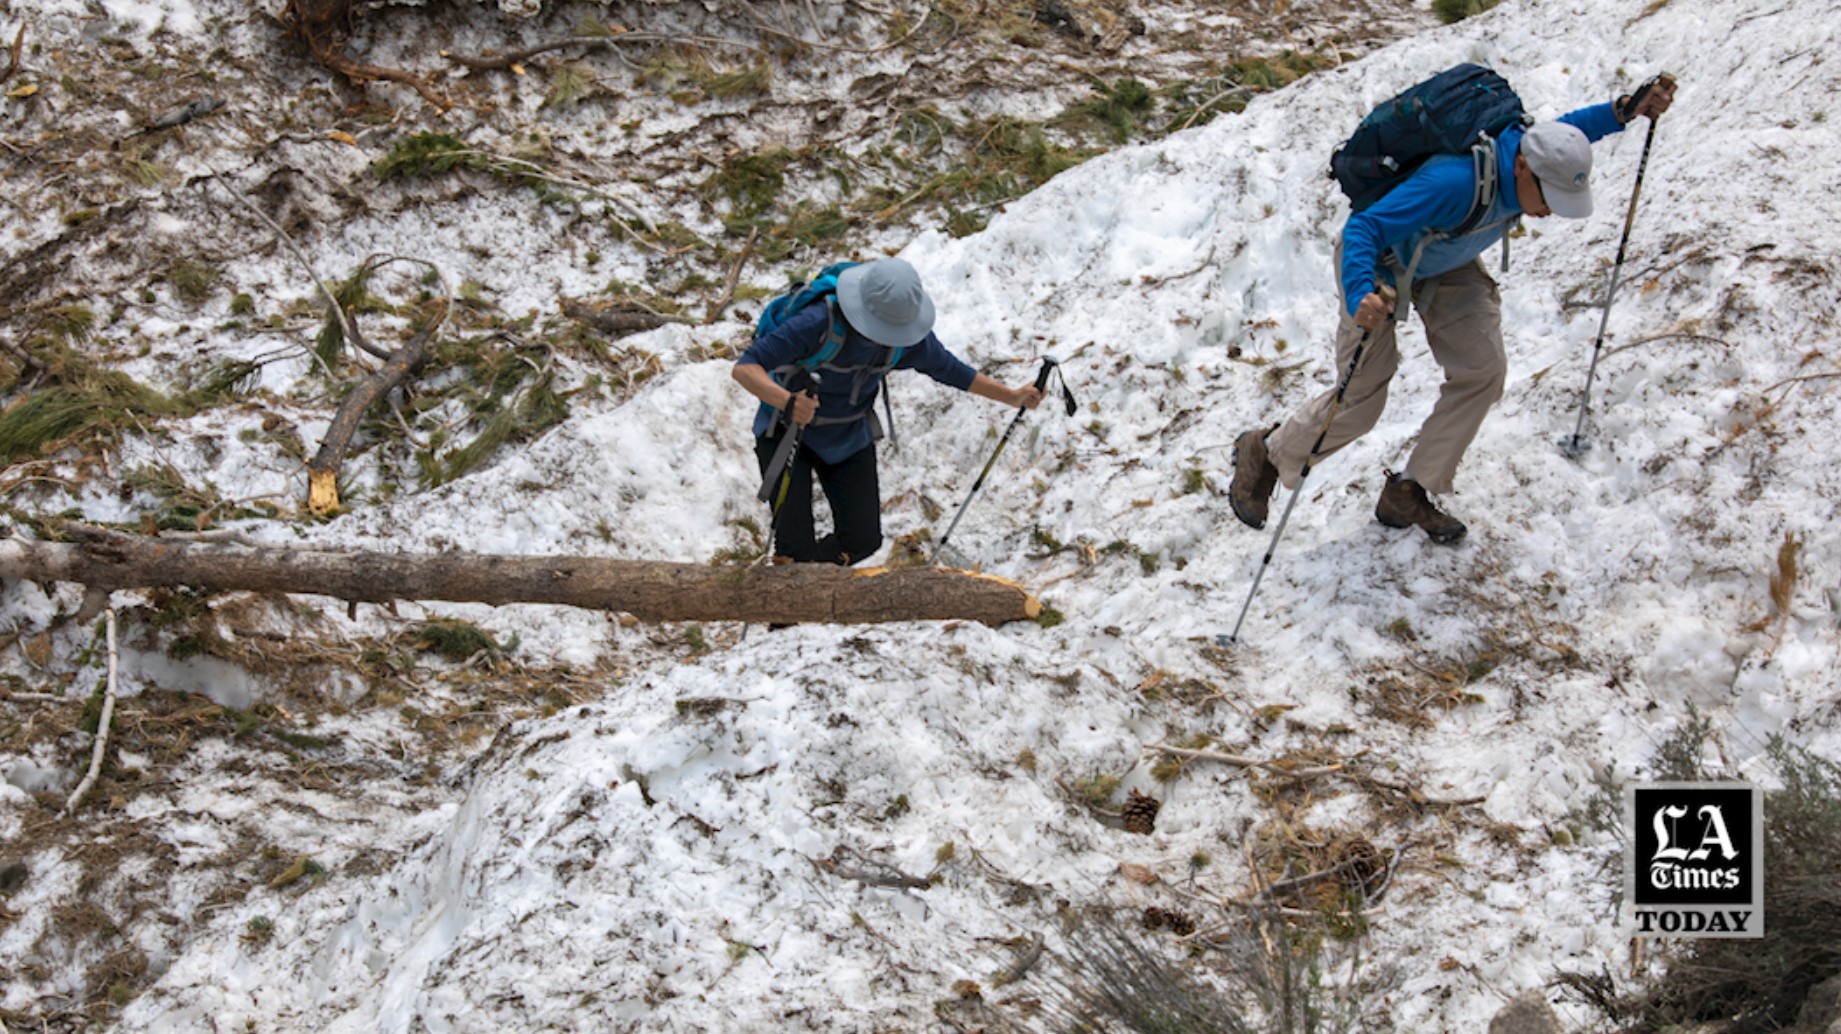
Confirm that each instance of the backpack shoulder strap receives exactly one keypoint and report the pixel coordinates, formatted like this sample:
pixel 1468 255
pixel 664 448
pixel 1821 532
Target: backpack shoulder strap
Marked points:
pixel 834 337
pixel 1483 163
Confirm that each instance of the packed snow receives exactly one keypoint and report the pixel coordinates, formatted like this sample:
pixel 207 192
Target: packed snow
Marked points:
pixel 665 857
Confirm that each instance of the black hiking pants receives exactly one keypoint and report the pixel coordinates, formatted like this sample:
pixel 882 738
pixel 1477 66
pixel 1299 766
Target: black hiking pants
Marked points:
pixel 856 505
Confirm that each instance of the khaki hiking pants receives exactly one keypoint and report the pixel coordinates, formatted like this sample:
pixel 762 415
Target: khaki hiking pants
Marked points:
pixel 1462 313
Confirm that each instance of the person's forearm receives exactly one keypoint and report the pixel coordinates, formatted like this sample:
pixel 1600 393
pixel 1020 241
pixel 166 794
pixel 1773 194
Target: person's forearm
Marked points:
pixel 758 383
pixel 985 387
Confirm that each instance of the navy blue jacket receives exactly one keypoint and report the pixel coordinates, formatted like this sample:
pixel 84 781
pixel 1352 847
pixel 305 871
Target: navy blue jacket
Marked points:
pixel 842 394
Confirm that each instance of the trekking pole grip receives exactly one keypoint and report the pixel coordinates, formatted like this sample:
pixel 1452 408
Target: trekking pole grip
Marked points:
pixel 1048 367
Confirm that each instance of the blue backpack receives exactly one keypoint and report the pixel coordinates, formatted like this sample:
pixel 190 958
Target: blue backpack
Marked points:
pixel 783 307
pixel 1457 111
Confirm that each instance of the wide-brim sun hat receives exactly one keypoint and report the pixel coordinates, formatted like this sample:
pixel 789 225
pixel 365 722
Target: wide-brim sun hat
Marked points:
pixel 885 302
pixel 1560 157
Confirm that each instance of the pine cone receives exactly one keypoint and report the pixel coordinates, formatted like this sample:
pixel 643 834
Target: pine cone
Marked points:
pixel 1140 812
pixel 1359 860
pixel 1165 919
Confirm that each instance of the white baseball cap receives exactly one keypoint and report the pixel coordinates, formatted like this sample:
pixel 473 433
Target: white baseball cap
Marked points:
pixel 1560 157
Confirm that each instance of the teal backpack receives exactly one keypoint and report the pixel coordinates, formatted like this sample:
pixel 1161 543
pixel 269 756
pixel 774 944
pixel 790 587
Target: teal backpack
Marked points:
pixel 785 306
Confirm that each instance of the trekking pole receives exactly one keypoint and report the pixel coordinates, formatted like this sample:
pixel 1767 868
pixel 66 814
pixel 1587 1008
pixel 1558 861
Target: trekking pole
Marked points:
pixel 1048 367
pixel 779 479
pixel 1575 445
pixel 1328 419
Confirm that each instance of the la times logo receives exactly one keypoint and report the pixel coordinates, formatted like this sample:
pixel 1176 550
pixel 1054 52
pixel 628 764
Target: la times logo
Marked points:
pixel 1695 866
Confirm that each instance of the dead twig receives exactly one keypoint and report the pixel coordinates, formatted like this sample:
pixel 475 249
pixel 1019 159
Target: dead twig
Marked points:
pixel 1232 92
pixel 524 169
pixel 305 19
pixel 27 361
pixel 884 876
pixel 503 62
pixel 179 116
pixel 1800 380
pixel 12 65
pixel 1243 762
pixel 1025 961
pixel 735 273
pixel 1107 817
pixel 1671 335
pixel 1368 780
pixel 890 45
pixel 102 727
pixel 348 325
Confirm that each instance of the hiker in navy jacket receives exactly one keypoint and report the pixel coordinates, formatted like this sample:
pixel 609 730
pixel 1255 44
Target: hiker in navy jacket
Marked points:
pixel 1540 170
pixel 884 307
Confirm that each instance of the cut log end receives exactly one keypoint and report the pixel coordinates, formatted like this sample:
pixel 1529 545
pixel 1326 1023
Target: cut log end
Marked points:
pixel 323 492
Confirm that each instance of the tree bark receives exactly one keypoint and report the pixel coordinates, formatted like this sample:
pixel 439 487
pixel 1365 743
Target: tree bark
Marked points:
pixel 323 469
pixel 649 590
pixel 617 323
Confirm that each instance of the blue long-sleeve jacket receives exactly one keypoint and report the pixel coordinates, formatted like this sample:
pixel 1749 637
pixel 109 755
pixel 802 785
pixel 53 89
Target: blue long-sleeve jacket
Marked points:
pixel 842 394
pixel 1437 196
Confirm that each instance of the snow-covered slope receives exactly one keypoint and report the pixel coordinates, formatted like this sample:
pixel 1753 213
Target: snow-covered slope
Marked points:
pixel 676 855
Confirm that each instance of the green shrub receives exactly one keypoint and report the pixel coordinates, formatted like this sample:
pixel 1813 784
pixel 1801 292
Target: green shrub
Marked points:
pixel 1745 986
pixel 1760 984
pixel 1450 11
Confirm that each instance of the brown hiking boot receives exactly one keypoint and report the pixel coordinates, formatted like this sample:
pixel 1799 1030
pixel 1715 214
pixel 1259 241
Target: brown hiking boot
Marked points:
pixel 1404 505
pixel 1254 478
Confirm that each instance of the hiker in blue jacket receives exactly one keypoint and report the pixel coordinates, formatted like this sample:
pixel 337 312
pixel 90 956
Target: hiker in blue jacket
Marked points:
pixel 888 316
pixel 1540 170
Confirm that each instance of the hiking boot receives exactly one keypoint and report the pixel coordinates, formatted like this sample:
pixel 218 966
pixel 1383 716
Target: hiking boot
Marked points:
pixel 1254 478
pixel 1404 505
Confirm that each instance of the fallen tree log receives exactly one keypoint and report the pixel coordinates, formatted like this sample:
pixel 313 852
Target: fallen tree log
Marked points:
pixel 648 590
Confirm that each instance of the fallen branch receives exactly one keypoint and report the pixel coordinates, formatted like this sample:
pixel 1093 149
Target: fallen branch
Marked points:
pixel 102 727
pixel 323 469
pixel 1366 780
pixel 618 323
pixel 887 875
pixel 649 590
pixel 728 290
pixel 1242 762
pixel 1106 816
pixel 304 18
pixel 179 116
